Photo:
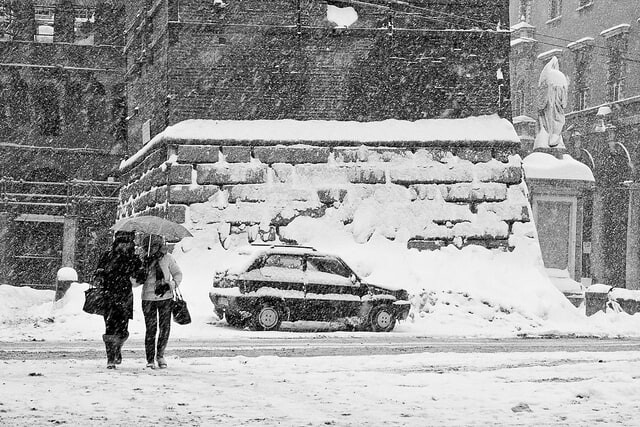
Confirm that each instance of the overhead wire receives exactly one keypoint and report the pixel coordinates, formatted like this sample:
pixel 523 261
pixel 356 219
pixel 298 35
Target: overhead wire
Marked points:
pixel 481 21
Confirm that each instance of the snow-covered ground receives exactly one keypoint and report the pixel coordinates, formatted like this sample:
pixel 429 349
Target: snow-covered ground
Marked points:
pixel 455 292
pixel 441 389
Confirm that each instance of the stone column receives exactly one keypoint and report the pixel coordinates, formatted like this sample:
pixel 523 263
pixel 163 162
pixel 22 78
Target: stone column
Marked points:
pixel 69 241
pixel 598 236
pixel 633 238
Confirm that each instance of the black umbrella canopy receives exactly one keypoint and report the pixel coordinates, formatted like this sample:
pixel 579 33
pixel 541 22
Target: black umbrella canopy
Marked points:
pixel 170 230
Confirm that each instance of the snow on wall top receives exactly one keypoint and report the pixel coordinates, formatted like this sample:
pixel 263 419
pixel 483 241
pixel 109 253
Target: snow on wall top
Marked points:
pixel 471 129
pixel 547 166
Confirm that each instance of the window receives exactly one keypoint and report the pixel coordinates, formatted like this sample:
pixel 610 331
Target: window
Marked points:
pixel 582 98
pixel 615 90
pixel 582 60
pixel 524 12
pixel 555 9
pixel 284 261
pixel 617 47
pixel 328 265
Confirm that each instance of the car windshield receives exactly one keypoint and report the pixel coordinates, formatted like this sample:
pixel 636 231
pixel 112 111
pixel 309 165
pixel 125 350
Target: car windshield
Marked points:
pixel 328 265
pixel 293 262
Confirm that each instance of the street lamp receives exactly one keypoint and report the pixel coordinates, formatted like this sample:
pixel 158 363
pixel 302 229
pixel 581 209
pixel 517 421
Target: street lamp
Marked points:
pixel 602 117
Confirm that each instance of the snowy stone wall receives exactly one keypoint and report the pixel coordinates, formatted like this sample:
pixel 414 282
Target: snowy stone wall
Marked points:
pixel 435 193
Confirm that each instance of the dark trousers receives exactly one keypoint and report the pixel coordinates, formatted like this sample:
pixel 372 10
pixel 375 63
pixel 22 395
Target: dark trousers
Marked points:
pixel 116 323
pixel 157 318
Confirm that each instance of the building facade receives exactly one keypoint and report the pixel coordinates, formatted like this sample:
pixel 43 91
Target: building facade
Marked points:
pixel 598 47
pixel 282 59
pixel 62 133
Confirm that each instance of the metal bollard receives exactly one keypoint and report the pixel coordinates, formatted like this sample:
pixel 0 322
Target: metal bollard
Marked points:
pixel 64 278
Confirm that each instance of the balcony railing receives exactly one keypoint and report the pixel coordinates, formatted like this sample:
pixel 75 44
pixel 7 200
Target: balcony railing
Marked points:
pixel 66 196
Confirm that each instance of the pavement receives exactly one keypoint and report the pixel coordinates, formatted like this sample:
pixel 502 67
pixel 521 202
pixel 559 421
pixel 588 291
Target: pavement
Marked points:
pixel 316 345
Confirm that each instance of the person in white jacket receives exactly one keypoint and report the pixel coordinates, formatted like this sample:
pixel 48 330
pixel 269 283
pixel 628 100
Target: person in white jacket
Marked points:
pixel 163 276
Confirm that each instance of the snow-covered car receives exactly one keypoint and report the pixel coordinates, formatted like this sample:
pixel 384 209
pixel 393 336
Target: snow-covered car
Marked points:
pixel 292 283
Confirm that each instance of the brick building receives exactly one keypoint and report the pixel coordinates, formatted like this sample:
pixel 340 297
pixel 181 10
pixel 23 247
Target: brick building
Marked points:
pixel 283 59
pixel 598 46
pixel 62 133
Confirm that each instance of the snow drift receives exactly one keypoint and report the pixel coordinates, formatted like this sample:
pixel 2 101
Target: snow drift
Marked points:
pixel 454 292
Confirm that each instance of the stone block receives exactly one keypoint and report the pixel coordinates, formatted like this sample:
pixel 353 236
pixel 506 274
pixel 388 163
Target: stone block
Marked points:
pixel 481 230
pixel 145 200
pixel 433 173
pixel 389 154
pixel 366 174
pixel 176 213
pixel 478 192
pixel 440 211
pixel 488 192
pixel 180 174
pixel 282 172
pixel 434 154
pixel 291 154
pixel 128 191
pixel 427 244
pixel 198 153
pixel 474 155
pixel 491 243
pixel 330 196
pixel 189 194
pixel 514 208
pixel 161 194
pixel 154 178
pixel 246 193
pixel 241 173
pixel 495 171
pixel 274 193
pixel 236 153
pixel 319 175
pixel 502 154
pixel 346 154
pixel 430 191
pixel 150 161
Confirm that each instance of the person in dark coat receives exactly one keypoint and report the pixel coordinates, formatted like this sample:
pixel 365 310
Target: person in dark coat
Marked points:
pixel 117 270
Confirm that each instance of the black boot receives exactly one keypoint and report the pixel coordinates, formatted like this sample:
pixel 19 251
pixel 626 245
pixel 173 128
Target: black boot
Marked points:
pixel 118 349
pixel 110 342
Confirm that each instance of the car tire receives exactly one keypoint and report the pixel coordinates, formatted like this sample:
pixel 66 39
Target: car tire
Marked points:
pixel 267 317
pixel 382 319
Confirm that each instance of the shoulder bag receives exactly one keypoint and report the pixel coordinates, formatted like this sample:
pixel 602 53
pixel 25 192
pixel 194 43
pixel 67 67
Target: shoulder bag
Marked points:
pixel 179 309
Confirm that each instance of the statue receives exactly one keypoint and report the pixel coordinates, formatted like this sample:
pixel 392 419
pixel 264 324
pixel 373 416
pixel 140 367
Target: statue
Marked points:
pixel 552 100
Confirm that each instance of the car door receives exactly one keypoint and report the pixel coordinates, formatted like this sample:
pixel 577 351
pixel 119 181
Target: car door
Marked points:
pixel 332 292
pixel 278 275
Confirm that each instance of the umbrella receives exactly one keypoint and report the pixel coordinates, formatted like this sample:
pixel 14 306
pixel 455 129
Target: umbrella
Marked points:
pixel 152 225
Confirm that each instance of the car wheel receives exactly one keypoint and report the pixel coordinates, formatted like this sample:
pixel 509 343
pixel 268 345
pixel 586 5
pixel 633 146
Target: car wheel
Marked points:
pixel 219 313
pixel 382 319
pixel 233 319
pixel 267 317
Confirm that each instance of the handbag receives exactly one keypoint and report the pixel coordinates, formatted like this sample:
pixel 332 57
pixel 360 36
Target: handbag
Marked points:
pixel 94 301
pixel 179 309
